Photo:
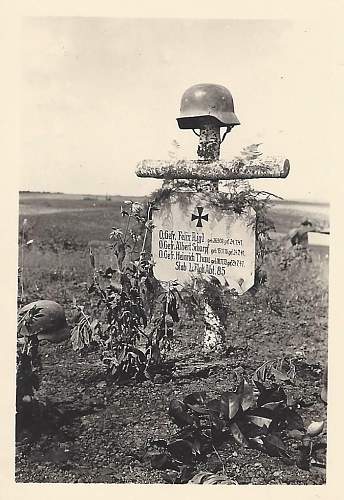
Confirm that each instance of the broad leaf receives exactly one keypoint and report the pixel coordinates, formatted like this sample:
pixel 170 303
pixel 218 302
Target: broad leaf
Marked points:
pixel 269 395
pixel 274 445
pixel 260 375
pixel 246 396
pixel 256 442
pixel 260 412
pixel 230 404
pixel 238 435
pixel 278 375
pixel 201 410
pixel 181 450
pixel 217 423
pixel 315 428
pixel 177 411
pixel 272 406
pixel 295 434
pixel 259 421
pixel 214 406
pixel 323 394
pixel 251 430
pixel 293 419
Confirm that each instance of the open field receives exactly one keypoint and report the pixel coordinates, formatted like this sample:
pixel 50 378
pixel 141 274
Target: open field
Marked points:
pixel 105 427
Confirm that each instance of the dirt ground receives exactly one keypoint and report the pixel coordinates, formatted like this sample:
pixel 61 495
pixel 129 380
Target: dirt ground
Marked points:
pixel 96 432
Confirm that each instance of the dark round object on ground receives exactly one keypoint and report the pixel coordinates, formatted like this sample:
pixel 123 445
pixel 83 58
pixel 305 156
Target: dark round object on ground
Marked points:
pixel 51 323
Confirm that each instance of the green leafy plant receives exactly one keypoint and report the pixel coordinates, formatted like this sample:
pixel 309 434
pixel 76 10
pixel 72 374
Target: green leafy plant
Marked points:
pixel 279 371
pixel 312 448
pixel 139 314
pixel 28 362
pixel 254 415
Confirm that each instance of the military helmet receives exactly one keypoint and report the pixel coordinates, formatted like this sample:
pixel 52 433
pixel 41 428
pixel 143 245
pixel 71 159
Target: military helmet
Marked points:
pixel 50 323
pixel 307 222
pixel 205 100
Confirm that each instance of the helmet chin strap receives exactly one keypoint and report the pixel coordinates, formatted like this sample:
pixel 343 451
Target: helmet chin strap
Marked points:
pixel 228 129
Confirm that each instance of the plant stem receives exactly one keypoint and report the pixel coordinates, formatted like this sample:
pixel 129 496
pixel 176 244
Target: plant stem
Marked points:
pixel 146 231
pixel 220 459
pixel 127 226
pixel 84 315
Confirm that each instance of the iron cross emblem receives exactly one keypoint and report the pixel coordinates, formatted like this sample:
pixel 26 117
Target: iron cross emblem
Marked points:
pixel 199 217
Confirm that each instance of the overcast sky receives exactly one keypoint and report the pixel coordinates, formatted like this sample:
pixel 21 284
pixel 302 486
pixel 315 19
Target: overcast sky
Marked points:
pixel 99 95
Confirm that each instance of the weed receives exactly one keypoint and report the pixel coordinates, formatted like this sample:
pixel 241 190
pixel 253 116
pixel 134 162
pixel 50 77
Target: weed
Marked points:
pixel 255 415
pixel 28 360
pixel 136 306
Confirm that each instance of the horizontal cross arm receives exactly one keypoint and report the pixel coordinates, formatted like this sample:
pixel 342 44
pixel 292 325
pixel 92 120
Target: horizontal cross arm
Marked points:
pixel 273 167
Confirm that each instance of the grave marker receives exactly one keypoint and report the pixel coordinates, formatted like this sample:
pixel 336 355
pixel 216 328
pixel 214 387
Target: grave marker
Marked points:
pixel 191 236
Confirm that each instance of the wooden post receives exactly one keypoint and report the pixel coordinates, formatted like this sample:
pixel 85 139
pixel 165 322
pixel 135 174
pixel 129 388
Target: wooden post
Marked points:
pixel 267 167
pixel 209 150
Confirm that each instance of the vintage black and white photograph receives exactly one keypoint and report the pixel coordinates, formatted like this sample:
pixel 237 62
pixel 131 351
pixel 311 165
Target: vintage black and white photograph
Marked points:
pixel 173 252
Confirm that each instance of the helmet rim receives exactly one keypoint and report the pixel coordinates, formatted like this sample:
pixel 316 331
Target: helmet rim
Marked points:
pixel 196 121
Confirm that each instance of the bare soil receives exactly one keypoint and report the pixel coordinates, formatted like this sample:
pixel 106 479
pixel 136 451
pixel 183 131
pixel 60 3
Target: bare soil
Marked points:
pixel 96 432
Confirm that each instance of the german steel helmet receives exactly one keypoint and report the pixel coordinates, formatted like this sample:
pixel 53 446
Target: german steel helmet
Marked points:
pixel 205 100
pixel 50 324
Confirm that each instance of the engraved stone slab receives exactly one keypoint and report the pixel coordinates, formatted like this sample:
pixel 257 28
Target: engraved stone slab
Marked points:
pixel 191 236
